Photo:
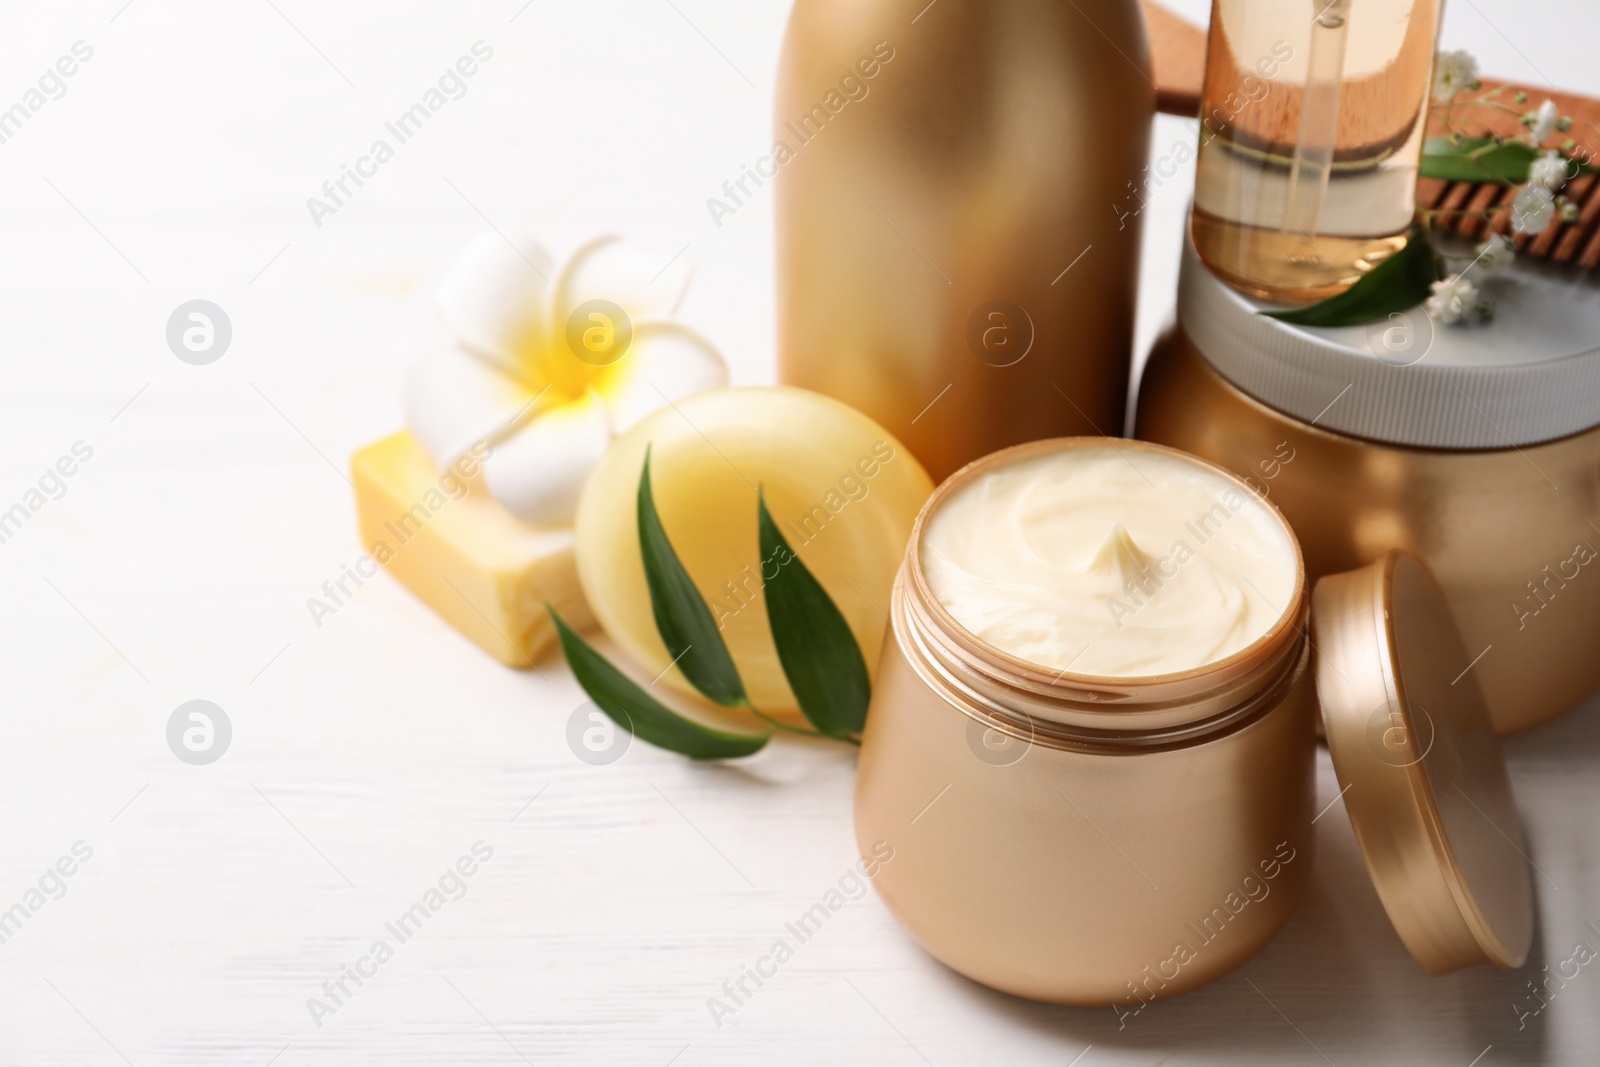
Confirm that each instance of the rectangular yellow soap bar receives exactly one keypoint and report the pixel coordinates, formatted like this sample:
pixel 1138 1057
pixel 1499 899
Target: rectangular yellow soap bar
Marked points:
pixel 462 553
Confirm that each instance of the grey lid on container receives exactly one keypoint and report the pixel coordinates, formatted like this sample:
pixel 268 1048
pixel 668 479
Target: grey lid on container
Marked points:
pixel 1531 375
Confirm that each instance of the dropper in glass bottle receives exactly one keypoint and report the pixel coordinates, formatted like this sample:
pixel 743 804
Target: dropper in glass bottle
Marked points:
pixel 1311 130
pixel 1312 163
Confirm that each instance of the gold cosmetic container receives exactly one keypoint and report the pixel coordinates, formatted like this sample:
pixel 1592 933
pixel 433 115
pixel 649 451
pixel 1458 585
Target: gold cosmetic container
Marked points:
pixel 958 196
pixel 1476 450
pixel 1113 841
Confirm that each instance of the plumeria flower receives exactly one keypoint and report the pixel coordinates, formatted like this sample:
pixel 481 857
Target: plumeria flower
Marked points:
pixel 1495 254
pixel 1542 123
pixel 1452 71
pixel 552 360
pixel 1549 170
pixel 1452 300
pixel 1533 208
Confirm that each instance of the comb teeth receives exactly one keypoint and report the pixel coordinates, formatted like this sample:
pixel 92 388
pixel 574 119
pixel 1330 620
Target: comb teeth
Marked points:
pixel 1575 243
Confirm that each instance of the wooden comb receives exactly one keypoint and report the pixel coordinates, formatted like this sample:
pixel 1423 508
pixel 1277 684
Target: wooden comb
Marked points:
pixel 1576 242
pixel 1177 59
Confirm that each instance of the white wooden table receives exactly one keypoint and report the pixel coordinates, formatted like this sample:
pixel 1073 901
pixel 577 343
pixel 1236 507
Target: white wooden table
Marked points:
pixel 369 754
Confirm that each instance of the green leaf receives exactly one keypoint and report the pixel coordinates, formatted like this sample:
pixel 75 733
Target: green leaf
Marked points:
pixel 1480 159
pixel 636 711
pixel 682 618
pixel 1402 281
pixel 819 654
pixel 1476 159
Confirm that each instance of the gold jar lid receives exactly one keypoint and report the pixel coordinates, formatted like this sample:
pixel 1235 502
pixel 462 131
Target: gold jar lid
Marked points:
pixel 1421 774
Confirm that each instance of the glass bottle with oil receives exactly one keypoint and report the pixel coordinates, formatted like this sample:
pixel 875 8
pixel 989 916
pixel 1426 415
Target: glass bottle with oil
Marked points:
pixel 1310 132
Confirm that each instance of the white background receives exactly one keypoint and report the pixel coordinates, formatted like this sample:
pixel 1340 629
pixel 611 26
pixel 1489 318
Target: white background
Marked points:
pixel 370 753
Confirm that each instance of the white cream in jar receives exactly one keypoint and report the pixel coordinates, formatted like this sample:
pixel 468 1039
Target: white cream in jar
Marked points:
pixel 1109 562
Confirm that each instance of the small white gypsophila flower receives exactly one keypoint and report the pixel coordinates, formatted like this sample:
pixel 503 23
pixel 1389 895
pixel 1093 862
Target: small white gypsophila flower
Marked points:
pixel 1549 170
pixel 1495 255
pixel 1542 123
pixel 1532 210
pixel 1452 299
pixel 1451 71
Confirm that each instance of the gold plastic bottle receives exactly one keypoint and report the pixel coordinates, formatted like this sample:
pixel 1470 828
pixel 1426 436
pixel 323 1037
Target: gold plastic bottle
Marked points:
pixel 958 209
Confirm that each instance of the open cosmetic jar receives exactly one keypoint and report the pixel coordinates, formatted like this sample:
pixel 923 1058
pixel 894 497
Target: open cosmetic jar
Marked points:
pixel 1118 837
pixel 1055 833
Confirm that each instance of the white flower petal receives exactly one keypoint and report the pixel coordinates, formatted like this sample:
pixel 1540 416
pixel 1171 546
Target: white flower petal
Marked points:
pixel 643 284
pixel 1451 71
pixel 1532 210
pixel 538 472
pixel 1453 299
pixel 493 298
pixel 452 400
pixel 1542 123
pixel 1549 170
pixel 1495 255
pixel 667 361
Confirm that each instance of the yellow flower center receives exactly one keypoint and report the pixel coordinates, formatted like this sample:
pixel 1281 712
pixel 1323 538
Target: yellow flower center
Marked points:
pixel 587 355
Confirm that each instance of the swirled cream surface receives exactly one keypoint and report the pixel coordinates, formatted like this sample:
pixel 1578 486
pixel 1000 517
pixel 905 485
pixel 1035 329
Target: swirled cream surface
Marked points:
pixel 1107 561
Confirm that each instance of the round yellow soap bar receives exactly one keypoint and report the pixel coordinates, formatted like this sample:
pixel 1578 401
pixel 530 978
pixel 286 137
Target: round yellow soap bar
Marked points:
pixel 841 489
